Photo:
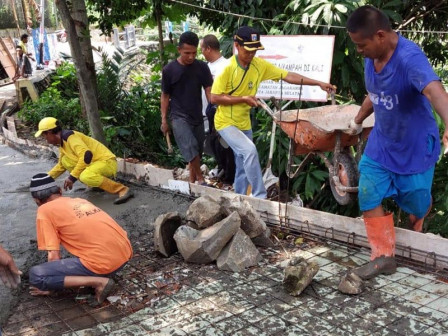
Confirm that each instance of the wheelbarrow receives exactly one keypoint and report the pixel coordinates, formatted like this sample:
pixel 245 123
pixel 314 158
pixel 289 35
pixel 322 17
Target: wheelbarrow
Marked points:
pixel 317 130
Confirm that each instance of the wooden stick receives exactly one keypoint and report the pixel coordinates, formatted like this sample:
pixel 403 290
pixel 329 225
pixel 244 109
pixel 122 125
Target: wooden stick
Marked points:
pixel 168 142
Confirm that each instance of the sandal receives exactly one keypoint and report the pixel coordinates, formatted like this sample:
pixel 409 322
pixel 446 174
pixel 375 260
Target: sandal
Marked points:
pixel 108 289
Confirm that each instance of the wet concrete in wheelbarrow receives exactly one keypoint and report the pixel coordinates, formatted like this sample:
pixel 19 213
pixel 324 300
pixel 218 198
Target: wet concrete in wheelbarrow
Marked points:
pixel 166 296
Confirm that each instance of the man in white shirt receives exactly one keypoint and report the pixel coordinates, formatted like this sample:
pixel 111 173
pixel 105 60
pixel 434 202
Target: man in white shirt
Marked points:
pixel 210 48
pixel 224 156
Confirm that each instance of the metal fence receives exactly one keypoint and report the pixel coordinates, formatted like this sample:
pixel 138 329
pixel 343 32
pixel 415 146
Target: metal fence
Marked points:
pixel 125 39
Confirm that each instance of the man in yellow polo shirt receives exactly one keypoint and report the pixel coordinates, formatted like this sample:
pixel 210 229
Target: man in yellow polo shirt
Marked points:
pixel 87 159
pixel 234 91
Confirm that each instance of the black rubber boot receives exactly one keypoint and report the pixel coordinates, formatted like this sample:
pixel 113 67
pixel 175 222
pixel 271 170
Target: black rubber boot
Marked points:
pixel 380 265
pixel 126 195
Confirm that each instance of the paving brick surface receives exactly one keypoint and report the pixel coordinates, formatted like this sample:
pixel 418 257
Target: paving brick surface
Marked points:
pixel 165 296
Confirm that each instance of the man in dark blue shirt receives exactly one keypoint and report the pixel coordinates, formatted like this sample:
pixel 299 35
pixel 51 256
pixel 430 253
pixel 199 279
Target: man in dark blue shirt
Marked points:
pixel 182 80
pixel 403 146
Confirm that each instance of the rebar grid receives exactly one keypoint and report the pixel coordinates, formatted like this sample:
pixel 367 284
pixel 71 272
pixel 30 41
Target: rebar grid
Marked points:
pixel 327 235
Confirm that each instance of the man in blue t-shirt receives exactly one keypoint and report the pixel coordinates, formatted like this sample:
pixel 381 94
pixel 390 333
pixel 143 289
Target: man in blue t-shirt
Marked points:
pixel 403 146
pixel 182 80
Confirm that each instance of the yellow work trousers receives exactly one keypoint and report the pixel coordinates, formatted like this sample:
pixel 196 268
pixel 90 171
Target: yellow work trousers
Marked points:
pixel 94 174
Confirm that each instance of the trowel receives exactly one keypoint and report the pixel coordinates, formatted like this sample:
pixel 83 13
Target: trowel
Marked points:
pixel 23 188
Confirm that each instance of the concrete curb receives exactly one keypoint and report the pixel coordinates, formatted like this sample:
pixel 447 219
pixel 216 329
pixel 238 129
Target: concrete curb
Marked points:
pixel 427 248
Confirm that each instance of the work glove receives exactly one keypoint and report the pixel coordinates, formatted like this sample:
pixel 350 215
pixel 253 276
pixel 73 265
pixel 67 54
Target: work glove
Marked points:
pixel 354 128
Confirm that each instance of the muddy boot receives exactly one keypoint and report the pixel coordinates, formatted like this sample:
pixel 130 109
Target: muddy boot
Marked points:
pixel 380 265
pixel 381 236
pixel 351 283
pixel 124 193
pixel 416 224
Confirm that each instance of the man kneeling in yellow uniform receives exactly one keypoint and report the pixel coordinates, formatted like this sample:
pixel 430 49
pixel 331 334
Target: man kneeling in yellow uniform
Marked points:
pixel 85 158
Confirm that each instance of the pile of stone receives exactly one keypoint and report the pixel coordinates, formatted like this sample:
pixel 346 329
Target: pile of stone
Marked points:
pixel 226 230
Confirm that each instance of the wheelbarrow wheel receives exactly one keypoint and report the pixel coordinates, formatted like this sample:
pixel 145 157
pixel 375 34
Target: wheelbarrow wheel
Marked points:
pixel 348 176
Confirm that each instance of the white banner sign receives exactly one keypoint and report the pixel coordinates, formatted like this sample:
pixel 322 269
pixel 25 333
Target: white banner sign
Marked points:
pixel 308 55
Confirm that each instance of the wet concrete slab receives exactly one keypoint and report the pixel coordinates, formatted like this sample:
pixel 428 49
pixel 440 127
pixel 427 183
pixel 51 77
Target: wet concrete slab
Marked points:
pixel 17 225
pixel 18 210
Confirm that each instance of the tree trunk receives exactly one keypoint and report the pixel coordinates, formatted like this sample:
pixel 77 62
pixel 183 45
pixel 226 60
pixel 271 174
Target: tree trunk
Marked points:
pixel 27 15
pixel 79 15
pixel 13 3
pixel 158 15
pixel 87 85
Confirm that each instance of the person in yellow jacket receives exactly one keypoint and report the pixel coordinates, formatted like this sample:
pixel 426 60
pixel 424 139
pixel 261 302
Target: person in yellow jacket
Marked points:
pixel 85 158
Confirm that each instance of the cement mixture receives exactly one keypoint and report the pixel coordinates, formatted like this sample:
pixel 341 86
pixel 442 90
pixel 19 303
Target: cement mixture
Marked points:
pixel 17 226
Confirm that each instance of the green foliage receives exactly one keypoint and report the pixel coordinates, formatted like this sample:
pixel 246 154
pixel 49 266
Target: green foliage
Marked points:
pixel 438 218
pixel 6 17
pixel 121 12
pixel 135 119
pixel 153 60
pixel 52 104
pixel 60 100
pixel 228 24
pixel 131 117
pixel 115 12
pixel 329 17
pixel 310 181
pixel 65 81
pixel 108 83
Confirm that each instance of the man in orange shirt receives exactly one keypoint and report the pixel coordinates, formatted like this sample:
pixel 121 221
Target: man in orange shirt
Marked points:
pixel 100 246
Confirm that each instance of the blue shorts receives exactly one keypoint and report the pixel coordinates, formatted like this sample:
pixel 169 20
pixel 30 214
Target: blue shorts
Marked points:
pixel 412 193
pixel 51 275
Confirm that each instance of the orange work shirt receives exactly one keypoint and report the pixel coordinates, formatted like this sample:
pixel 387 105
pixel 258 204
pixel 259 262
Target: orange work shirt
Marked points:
pixel 85 231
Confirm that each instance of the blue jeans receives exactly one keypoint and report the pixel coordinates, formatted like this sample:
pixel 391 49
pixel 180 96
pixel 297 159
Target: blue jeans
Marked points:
pixel 51 275
pixel 247 164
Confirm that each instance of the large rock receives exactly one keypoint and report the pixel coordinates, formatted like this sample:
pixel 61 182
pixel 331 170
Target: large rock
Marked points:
pixel 203 247
pixel 204 211
pixel 298 275
pixel 251 222
pixel 264 240
pixel 238 254
pixel 164 228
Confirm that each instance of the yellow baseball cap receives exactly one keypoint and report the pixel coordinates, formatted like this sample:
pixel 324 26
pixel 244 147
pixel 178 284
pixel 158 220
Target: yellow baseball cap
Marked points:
pixel 46 124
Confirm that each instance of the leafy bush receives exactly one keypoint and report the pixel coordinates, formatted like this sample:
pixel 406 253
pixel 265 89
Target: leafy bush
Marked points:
pixel 131 118
pixel 65 81
pixel 437 222
pixel 52 104
pixel 60 100
pixel 6 17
